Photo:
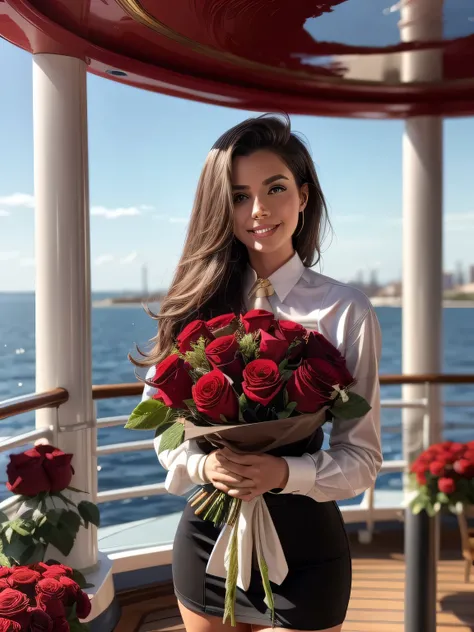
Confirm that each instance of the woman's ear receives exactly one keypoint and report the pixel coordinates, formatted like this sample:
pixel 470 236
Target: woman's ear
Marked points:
pixel 304 194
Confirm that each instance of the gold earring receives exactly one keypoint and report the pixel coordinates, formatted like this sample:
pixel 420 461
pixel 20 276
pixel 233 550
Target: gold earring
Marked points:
pixel 302 226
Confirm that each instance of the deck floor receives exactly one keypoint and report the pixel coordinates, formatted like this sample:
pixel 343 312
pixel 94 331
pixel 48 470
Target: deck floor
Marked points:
pixel 377 601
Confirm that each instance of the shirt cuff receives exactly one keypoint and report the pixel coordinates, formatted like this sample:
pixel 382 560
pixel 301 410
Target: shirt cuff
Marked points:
pixel 195 467
pixel 301 474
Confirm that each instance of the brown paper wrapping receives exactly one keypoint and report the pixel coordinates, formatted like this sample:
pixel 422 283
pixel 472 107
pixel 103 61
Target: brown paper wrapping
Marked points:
pixel 257 437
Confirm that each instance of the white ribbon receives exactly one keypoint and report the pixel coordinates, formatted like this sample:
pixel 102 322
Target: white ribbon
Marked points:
pixel 255 532
pixel 342 392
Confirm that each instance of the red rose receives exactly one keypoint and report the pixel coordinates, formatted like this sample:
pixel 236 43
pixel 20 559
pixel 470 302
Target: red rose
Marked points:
pixel 173 382
pixel 57 465
pixel 272 348
pixel 292 330
pixel 50 597
pixel 319 347
pixel 214 396
pixel 437 468
pixel 222 354
pixel 4 583
pixel 26 475
pixel 446 485
pixel 192 333
pixel 465 468
pixel 41 567
pixel 5 571
pixel 311 385
pixel 257 319
pixel 225 324
pixel 57 571
pixel 72 590
pixel 14 605
pixel 24 579
pixel 60 624
pixel 421 478
pixel 83 605
pixel 262 381
pixel 40 621
pixel 7 625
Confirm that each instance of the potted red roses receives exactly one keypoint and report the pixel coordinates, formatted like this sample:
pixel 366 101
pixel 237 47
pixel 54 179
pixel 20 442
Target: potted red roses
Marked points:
pixel 44 515
pixel 42 598
pixel 443 478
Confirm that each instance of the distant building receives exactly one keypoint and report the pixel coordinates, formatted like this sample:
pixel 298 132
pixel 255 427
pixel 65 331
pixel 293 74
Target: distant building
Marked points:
pixel 448 281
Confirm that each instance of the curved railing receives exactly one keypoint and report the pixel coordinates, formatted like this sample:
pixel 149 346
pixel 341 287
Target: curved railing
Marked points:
pixel 59 396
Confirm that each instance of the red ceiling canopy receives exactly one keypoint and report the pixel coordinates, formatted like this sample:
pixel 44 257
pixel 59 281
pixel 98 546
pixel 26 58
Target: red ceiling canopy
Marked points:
pixel 336 58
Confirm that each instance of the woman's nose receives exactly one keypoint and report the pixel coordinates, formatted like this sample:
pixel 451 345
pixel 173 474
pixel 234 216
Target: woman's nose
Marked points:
pixel 259 209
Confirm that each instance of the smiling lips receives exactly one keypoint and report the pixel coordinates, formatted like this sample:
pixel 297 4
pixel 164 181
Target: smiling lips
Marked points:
pixel 265 230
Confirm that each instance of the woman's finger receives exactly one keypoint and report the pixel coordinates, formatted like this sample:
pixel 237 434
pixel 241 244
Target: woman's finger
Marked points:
pixel 233 481
pixel 242 459
pixel 231 466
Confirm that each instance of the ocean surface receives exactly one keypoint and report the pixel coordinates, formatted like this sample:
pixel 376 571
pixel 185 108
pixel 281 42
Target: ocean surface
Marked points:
pixel 116 330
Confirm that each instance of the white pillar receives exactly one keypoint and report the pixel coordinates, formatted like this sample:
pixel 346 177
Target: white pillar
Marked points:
pixel 422 225
pixel 63 304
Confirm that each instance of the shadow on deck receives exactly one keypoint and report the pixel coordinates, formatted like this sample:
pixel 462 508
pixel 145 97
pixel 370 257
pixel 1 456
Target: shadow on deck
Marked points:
pixel 377 601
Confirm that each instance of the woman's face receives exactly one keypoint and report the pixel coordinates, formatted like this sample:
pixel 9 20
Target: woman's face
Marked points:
pixel 267 204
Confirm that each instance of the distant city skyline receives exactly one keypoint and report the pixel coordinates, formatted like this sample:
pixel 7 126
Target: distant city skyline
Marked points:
pixel 144 170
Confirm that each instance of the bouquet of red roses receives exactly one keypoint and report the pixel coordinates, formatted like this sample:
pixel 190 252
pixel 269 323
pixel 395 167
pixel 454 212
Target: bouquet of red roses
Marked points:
pixel 443 478
pixel 44 597
pixel 252 383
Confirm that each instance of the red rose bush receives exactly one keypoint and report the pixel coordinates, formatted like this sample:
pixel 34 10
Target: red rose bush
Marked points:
pixel 249 382
pixel 443 478
pixel 43 514
pixel 42 598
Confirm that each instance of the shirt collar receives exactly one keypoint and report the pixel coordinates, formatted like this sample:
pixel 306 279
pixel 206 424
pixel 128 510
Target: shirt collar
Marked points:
pixel 283 280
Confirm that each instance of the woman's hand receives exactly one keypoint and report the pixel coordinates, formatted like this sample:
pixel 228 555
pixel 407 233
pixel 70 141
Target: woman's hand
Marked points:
pixel 245 476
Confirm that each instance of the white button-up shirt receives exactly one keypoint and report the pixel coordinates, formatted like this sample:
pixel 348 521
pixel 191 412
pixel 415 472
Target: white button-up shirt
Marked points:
pixel 345 316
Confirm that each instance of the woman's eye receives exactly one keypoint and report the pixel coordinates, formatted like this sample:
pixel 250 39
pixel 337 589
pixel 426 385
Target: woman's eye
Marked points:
pixel 277 189
pixel 240 197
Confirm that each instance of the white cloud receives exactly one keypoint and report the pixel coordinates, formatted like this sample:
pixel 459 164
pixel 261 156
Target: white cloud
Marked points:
pixel 129 258
pixel 101 259
pixel 22 200
pixel 27 262
pixel 113 213
pixel 4 213
pixel 9 255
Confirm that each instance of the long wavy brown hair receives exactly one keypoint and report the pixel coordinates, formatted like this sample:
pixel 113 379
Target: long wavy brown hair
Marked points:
pixel 208 279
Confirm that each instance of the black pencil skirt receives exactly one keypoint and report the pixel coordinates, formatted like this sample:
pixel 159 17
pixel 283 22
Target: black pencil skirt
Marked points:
pixel 314 595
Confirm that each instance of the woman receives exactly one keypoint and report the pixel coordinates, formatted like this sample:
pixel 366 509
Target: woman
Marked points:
pixel 259 214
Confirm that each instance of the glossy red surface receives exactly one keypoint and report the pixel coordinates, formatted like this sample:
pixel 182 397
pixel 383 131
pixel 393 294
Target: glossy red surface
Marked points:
pixel 336 58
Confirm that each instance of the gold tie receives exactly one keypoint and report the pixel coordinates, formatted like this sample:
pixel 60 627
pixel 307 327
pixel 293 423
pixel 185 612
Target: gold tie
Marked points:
pixel 261 288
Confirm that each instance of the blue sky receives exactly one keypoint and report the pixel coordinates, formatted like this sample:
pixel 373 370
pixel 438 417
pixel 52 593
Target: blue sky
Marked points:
pixel 146 152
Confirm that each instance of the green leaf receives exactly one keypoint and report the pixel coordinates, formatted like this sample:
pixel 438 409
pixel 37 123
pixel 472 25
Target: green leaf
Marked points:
pixel 74 489
pixel 3 517
pixel 23 527
pixel 148 415
pixel 284 414
pixel 283 364
pixel 34 553
pixel 65 499
pixel 71 521
pixel 354 408
pixel 53 516
pixel 4 561
pixel 172 437
pixel 79 578
pixel 190 403
pixel 17 546
pixel 76 626
pixel 62 539
pixel 442 498
pixel 163 428
pixel 72 612
pixel 89 512
pixel 286 375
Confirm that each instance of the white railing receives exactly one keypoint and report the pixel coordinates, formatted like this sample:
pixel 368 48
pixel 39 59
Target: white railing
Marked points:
pixel 366 511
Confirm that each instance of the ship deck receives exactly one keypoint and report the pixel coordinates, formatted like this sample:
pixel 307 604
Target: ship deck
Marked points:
pixel 377 601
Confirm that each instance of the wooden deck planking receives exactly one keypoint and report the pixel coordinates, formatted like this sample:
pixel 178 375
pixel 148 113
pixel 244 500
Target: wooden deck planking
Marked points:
pixel 377 601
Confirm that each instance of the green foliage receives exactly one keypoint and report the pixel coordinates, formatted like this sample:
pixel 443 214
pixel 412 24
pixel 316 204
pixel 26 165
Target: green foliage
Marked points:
pixel 172 438
pixel 355 407
pixel 197 357
pixel 249 347
pixel 149 415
